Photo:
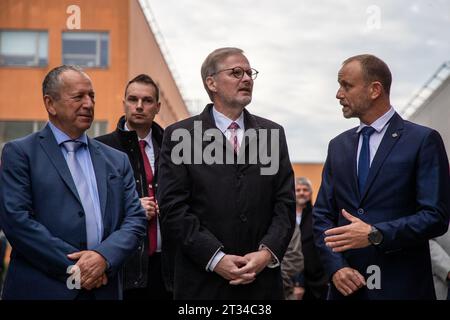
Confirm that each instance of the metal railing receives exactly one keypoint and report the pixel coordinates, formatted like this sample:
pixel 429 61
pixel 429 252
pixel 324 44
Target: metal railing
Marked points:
pixel 442 73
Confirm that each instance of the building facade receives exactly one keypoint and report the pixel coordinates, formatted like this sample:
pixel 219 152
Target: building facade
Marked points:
pixel 431 105
pixel 111 39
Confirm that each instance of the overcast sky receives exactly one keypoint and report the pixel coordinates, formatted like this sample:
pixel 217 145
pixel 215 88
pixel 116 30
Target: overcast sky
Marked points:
pixel 298 47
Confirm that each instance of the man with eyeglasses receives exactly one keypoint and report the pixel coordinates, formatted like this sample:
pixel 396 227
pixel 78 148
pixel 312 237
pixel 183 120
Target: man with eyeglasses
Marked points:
pixel 140 137
pixel 229 224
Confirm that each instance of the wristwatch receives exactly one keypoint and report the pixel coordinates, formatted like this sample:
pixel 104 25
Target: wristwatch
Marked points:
pixel 375 236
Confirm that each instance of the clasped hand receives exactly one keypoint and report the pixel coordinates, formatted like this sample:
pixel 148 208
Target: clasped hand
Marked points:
pixel 92 268
pixel 243 269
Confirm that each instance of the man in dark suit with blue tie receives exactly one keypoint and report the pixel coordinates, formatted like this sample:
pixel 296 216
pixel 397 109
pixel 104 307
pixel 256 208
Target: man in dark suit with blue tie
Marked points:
pixel 68 204
pixel 384 193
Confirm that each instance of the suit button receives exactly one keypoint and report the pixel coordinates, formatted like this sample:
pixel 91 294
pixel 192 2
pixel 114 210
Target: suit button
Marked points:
pixel 81 214
pixel 361 211
pixel 139 248
pixel 243 217
pixel 137 181
pixel 136 283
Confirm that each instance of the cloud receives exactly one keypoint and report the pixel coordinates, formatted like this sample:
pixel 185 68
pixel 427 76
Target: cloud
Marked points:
pixel 298 47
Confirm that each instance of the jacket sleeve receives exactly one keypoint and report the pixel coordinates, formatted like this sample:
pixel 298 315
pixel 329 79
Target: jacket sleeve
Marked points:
pixel 120 244
pixel 432 200
pixel 181 228
pixel 325 216
pixel 282 225
pixel 28 237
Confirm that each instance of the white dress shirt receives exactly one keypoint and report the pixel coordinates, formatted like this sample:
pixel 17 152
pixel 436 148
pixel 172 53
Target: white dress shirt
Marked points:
pixel 380 125
pixel 223 122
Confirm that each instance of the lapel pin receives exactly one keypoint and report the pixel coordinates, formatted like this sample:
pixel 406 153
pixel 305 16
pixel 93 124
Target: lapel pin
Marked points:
pixel 395 135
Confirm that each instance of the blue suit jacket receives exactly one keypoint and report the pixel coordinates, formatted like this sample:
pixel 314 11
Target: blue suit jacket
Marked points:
pixel 44 221
pixel 406 197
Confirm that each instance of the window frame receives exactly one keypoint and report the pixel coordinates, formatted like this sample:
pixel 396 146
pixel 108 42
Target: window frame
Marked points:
pixel 98 43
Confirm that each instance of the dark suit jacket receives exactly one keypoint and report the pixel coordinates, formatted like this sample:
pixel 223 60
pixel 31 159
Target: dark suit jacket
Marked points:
pixel 406 197
pixel 231 207
pixel 135 273
pixel 44 221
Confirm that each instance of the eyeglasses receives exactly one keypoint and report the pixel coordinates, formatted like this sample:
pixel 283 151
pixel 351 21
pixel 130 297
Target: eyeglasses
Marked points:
pixel 238 72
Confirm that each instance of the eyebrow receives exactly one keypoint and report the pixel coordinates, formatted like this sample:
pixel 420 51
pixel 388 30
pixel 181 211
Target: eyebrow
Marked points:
pixel 144 97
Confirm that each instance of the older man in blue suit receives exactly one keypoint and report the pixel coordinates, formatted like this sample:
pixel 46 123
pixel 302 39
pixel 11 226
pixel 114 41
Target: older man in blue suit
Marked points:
pixel 68 203
pixel 385 192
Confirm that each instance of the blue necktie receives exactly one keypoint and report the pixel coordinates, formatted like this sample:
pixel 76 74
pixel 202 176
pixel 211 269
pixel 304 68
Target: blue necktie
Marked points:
pixel 82 186
pixel 364 157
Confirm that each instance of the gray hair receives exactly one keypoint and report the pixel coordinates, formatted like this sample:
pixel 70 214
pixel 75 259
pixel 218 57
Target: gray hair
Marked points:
pixel 52 82
pixel 210 65
pixel 304 182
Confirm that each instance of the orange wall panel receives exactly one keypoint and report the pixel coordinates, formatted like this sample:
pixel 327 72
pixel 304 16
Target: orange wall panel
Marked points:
pixel 21 86
pixel 313 171
pixel 132 49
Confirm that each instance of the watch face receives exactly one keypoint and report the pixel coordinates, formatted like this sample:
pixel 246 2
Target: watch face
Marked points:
pixel 375 237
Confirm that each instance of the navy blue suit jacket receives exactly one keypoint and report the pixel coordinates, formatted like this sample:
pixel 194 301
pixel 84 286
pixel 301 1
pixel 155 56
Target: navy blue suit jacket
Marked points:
pixel 42 216
pixel 406 197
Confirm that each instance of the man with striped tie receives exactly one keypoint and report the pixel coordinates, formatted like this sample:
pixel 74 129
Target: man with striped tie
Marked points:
pixel 228 223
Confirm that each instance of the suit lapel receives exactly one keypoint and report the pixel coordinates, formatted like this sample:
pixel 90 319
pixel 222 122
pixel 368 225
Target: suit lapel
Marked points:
pixel 53 151
pixel 99 164
pixel 208 122
pixel 250 122
pixel 390 138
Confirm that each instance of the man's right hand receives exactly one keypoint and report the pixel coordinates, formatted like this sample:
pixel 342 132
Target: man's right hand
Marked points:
pixel 348 280
pixel 229 268
pixel 150 206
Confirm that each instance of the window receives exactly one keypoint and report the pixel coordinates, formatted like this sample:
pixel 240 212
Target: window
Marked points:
pixel 86 49
pixel 10 130
pixel 23 48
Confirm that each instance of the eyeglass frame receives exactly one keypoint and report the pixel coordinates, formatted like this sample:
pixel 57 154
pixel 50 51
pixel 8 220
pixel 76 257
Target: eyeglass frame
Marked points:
pixel 254 72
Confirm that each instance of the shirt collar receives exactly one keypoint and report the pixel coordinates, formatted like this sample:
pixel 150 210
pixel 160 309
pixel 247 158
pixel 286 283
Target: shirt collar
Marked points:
pixel 147 139
pixel 61 136
pixel 223 122
pixel 380 123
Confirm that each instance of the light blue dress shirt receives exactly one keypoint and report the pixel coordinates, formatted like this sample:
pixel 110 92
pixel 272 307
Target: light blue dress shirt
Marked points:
pixel 84 158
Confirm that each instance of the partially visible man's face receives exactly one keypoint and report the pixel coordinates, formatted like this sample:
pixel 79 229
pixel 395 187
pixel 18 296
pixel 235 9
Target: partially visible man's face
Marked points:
pixel 140 104
pixel 231 91
pixel 302 194
pixel 353 92
pixel 73 112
